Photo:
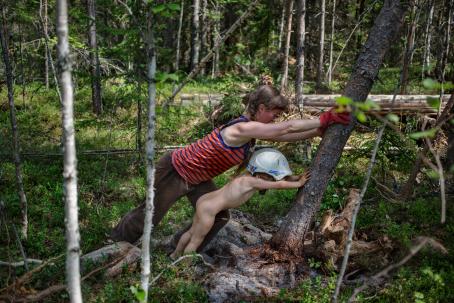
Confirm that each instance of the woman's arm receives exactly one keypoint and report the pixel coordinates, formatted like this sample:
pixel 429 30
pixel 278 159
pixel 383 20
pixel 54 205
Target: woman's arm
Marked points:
pixel 293 137
pixel 242 132
pixel 260 184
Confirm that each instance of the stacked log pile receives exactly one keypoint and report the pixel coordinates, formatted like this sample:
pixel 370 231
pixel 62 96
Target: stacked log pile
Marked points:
pixel 312 104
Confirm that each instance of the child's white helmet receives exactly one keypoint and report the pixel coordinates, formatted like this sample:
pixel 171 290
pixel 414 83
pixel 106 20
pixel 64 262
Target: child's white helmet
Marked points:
pixel 269 161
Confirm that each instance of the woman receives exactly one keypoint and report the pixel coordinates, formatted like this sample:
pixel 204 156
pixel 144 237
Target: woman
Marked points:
pixel 189 171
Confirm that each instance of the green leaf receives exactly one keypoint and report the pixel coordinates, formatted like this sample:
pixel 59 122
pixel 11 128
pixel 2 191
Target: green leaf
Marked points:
pixel 342 100
pixel 173 6
pixel 158 8
pixel 361 116
pixel 139 293
pixel 430 84
pixel 452 121
pixel 393 118
pixel 372 104
pixel 430 133
pixel 433 174
pixel 433 102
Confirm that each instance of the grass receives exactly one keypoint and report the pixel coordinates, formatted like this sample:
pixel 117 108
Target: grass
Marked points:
pixel 109 186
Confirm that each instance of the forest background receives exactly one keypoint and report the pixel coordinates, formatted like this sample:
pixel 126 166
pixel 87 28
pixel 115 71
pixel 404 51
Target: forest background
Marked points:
pixel 109 53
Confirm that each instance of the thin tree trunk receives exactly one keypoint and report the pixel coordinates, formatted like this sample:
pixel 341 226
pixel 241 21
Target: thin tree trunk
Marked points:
pixel 149 205
pixel 331 44
pixel 15 133
pixel 203 33
pixel 217 44
pixel 288 35
pixel 180 26
pixel 49 56
pixel 358 14
pixel 322 45
pixel 444 51
pixel 216 36
pixel 195 41
pixel 43 5
pixel 301 33
pixel 407 188
pixel 94 59
pixel 427 40
pixel 291 234
pixel 281 28
pixel 70 157
pixel 409 50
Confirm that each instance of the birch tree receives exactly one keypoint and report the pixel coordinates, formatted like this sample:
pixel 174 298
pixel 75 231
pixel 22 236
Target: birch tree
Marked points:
pixel 410 47
pixel 288 34
pixel 321 45
pixel 331 43
pixel 290 236
pixel 43 11
pixel 69 155
pixel 180 25
pixel 195 31
pixel 94 59
pixel 4 34
pixel 300 37
pixel 427 39
pixel 149 206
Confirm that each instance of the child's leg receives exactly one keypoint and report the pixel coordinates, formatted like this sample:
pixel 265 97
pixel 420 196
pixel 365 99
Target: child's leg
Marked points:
pixel 184 239
pixel 203 221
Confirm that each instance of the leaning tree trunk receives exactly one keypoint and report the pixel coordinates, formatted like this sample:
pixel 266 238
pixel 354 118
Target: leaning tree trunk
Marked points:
pixel 331 44
pixel 290 236
pixel 195 41
pixel 322 45
pixel 409 49
pixel 300 33
pixel 427 40
pixel 288 30
pixel 94 59
pixel 149 206
pixel 69 157
pixel 15 132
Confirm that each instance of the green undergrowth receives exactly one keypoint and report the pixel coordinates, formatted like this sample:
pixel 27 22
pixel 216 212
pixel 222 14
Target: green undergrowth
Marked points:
pixel 110 185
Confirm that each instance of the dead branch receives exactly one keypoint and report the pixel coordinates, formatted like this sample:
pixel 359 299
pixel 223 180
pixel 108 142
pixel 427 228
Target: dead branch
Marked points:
pixel 20 263
pixel 380 277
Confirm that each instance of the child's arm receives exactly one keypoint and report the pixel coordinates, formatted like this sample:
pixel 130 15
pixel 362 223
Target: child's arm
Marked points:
pixel 260 184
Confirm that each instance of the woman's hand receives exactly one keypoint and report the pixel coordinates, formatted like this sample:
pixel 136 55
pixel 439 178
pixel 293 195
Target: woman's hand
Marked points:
pixel 303 178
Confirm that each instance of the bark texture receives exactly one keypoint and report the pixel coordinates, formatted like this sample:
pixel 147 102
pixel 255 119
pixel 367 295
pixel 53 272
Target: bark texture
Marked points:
pixel 195 31
pixel 14 130
pixel 288 30
pixel 70 158
pixel 94 59
pixel 321 44
pixel 150 151
pixel 301 32
pixel 290 236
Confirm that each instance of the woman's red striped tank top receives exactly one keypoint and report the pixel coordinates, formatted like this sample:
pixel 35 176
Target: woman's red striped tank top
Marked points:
pixel 209 156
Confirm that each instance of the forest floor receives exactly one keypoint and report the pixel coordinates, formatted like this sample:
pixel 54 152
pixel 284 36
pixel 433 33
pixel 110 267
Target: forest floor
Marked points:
pixel 112 184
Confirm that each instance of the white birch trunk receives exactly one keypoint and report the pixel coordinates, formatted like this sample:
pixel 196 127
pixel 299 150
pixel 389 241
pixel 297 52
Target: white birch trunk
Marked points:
pixel 69 157
pixel 149 205
pixel 301 32
pixel 14 130
pixel 94 59
pixel 288 29
pixel 331 44
pixel 195 41
pixel 427 40
pixel 281 27
pixel 180 25
pixel 322 44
